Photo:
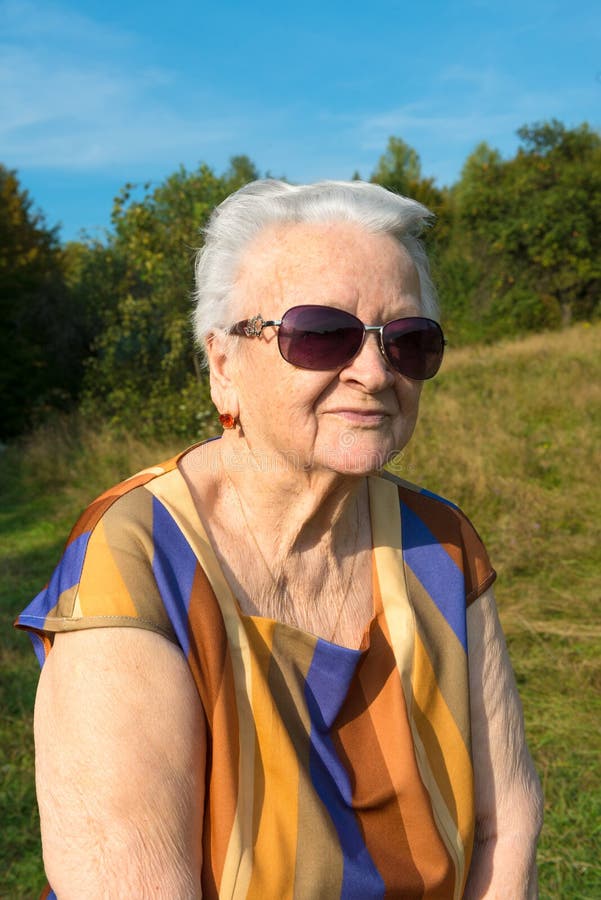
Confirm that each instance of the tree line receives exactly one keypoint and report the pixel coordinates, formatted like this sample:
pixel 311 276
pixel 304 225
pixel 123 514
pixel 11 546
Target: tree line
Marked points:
pixel 104 324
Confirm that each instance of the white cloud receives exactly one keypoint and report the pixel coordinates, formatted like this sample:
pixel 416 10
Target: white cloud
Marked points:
pixel 463 107
pixel 38 23
pixel 485 106
pixel 76 94
pixel 71 98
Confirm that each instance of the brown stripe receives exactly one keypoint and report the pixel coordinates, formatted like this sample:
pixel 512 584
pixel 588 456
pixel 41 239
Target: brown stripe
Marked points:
pixel 211 668
pixel 392 805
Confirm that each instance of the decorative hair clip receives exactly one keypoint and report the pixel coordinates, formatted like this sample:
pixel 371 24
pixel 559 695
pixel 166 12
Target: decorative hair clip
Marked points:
pixel 254 326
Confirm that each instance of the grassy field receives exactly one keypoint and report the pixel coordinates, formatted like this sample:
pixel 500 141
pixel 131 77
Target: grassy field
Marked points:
pixel 511 433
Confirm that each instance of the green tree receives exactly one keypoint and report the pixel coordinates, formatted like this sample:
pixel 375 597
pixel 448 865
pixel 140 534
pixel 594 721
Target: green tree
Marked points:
pixel 36 367
pixel 399 169
pixel 530 229
pixel 465 270
pixel 143 369
pixel 563 212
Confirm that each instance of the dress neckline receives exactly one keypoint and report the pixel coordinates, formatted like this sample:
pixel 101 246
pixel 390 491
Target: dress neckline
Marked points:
pixel 174 492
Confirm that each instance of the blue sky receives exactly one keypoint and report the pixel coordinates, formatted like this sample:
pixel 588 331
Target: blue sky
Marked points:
pixel 93 95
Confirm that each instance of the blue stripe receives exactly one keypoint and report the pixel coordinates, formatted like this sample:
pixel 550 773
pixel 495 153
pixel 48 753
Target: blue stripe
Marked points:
pixel 441 577
pixel 38 645
pixel 66 575
pixel 326 687
pixel 174 566
pixel 68 572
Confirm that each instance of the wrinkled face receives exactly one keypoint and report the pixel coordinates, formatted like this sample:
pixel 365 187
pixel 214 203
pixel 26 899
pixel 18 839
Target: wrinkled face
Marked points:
pixel 349 420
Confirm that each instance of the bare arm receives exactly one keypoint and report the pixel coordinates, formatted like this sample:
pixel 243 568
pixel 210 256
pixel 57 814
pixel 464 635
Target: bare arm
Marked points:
pixel 120 755
pixel 507 790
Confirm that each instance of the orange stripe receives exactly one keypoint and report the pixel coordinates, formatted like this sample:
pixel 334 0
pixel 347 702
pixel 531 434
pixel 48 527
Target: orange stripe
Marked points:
pixel 173 492
pixel 392 805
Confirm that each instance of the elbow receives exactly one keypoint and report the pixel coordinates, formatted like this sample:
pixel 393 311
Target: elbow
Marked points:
pixel 504 854
pixel 538 810
pixel 525 806
pixel 514 817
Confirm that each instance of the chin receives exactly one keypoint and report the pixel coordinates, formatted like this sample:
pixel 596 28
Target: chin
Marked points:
pixel 356 461
pixel 359 451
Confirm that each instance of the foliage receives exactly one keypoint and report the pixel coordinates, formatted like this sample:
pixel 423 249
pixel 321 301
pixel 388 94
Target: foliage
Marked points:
pixel 510 434
pixel 143 368
pixel 35 365
pixel 530 229
pixel 399 170
pixel 515 248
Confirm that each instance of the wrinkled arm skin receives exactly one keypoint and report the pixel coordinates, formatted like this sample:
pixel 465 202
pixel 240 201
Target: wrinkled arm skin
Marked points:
pixel 508 797
pixel 120 756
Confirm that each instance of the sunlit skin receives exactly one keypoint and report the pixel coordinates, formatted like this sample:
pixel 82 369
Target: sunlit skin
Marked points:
pixel 304 440
pixel 350 420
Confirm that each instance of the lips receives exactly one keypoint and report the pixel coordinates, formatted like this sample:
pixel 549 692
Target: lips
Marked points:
pixel 361 416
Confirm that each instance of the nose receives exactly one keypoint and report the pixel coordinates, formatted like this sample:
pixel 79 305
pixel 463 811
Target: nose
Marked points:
pixel 369 370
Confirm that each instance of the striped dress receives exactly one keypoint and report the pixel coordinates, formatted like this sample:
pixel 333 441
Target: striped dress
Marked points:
pixel 333 772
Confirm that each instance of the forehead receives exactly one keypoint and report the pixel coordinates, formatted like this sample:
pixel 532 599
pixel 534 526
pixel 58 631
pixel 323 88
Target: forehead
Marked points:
pixel 338 261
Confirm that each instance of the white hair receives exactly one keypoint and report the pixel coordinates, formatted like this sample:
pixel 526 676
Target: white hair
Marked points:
pixel 243 215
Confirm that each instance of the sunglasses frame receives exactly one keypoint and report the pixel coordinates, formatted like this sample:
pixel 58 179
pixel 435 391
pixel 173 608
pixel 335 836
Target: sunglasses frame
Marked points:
pixel 254 326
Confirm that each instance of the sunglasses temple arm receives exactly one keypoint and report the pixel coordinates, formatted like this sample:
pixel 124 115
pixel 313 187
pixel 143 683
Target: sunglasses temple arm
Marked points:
pixel 252 327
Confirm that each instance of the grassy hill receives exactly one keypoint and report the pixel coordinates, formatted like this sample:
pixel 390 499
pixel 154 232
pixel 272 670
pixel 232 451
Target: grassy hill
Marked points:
pixel 512 434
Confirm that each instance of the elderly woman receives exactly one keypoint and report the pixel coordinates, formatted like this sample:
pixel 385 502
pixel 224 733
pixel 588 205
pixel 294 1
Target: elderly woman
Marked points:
pixel 276 670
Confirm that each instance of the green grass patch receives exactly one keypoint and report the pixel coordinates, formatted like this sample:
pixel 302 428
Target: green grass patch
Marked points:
pixel 510 433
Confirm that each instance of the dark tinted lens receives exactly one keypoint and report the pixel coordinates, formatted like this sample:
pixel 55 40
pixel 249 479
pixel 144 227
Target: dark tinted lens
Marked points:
pixel 319 337
pixel 414 346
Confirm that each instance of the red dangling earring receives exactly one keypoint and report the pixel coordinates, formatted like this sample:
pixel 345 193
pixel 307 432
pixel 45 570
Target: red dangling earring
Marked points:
pixel 227 420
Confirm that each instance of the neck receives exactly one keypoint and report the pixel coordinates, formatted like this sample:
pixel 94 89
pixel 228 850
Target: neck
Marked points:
pixel 293 508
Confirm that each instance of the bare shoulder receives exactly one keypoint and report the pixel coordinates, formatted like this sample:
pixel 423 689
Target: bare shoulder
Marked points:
pixel 120 752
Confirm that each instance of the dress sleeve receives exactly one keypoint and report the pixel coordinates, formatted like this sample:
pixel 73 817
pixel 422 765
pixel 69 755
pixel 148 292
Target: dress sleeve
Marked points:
pixel 478 571
pixel 442 522
pixel 106 576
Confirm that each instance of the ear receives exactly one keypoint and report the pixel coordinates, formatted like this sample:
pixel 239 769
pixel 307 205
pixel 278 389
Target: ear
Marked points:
pixel 224 393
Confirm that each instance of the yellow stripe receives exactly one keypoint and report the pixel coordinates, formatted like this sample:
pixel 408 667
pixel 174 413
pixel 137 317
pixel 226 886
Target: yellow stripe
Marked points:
pixel 275 841
pixel 102 590
pixel 390 572
pixel 457 762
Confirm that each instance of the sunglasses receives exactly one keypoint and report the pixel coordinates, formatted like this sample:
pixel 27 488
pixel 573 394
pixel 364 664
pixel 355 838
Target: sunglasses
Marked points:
pixel 322 338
